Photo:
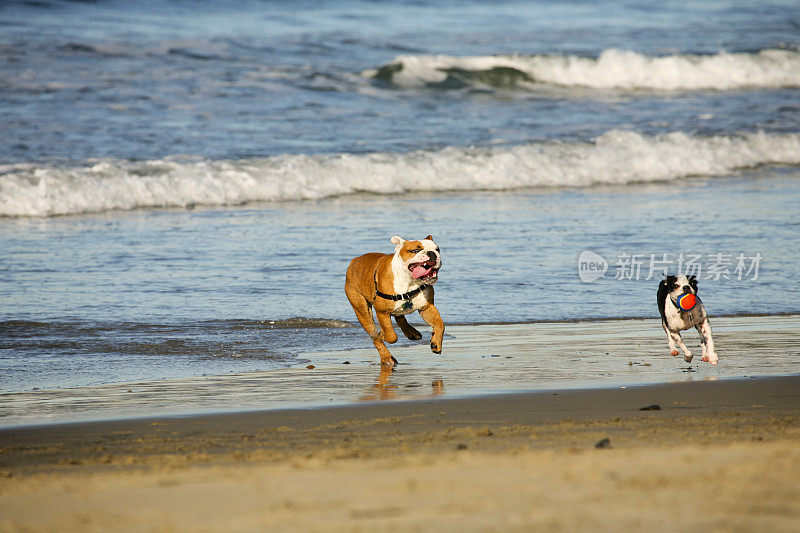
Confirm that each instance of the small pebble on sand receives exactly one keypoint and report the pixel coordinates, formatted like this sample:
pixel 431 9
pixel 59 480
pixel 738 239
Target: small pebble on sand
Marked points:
pixel 604 443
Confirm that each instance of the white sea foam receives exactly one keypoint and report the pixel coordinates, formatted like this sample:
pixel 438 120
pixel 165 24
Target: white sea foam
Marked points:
pixel 616 157
pixel 613 69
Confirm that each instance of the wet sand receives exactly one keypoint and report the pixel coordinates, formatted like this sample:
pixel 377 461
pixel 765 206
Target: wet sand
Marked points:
pixel 718 455
pixel 477 359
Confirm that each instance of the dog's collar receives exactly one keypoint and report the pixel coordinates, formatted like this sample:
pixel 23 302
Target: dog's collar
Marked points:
pixel 398 297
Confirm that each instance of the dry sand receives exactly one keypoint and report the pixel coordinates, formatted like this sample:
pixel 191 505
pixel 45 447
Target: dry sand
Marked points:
pixel 718 456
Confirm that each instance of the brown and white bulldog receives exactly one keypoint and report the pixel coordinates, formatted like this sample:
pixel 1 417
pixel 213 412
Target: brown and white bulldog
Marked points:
pixel 396 285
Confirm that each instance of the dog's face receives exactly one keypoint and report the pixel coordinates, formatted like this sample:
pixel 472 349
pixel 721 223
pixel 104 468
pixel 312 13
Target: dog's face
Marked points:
pixel 677 285
pixel 421 258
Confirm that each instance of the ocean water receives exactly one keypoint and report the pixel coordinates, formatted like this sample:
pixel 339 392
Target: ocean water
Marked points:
pixel 182 184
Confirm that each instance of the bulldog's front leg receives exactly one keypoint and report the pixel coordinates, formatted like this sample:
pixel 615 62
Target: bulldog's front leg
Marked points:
pixel 673 350
pixel 709 354
pixel 676 338
pixel 431 315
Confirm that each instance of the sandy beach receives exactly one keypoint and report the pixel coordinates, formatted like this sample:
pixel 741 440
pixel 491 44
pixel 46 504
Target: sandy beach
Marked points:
pixel 719 456
pixel 183 185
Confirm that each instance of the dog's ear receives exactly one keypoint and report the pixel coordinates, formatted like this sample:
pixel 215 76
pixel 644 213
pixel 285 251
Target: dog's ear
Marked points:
pixel 669 280
pixel 397 241
pixel 693 282
pixel 429 238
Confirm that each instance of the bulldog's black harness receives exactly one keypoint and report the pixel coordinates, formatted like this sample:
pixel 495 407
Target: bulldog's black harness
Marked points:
pixel 397 297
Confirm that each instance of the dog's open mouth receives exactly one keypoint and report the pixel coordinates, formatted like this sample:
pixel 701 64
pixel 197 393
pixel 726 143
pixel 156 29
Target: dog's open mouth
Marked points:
pixel 424 271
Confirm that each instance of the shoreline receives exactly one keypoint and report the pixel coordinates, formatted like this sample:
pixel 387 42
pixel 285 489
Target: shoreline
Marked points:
pixel 378 402
pixel 477 361
pixel 724 452
pixel 778 389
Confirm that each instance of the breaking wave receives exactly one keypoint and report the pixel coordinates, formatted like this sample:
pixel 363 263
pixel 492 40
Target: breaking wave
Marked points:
pixel 613 69
pixel 301 322
pixel 616 157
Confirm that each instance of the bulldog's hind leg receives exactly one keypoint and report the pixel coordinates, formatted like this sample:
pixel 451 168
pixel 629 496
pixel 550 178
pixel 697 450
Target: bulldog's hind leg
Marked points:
pixel 386 334
pixel 431 315
pixel 387 331
pixel 408 330
pixel 363 312
pixel 387 359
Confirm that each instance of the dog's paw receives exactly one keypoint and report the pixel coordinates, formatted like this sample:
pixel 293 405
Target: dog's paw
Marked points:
pixel 687 357
pixel 390 363
pixel 711 358
pixel 674 352
pixel 413 335
pixel 435 348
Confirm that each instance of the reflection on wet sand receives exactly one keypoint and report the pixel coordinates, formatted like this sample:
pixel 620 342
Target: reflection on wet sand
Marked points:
pixel 383 388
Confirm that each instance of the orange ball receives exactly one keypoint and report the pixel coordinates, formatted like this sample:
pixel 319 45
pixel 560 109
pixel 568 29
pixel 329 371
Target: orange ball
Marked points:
pixel 687 301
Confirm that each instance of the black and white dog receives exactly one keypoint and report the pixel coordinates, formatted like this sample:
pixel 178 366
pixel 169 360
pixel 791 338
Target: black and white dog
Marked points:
pixel 675 319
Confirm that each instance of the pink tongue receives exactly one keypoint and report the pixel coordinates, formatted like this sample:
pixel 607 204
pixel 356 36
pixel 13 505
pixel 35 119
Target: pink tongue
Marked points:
pixel 420 271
